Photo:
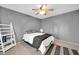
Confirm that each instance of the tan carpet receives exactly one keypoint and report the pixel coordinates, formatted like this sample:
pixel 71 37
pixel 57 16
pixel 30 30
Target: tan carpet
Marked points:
pixel 25 49
pixel 22 49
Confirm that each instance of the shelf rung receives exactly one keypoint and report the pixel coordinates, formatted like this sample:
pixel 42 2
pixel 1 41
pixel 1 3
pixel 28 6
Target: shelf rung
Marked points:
pixel 8 47
pixel 6 34
pixel 6 31
pixel 4 28
pixel 4 25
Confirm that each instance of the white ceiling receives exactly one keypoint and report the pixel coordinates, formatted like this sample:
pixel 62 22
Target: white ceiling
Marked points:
pixel 27 9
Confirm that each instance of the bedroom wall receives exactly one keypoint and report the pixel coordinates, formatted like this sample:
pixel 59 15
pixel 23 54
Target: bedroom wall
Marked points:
pixel 21 22
pixel 0 15
pixel 64 27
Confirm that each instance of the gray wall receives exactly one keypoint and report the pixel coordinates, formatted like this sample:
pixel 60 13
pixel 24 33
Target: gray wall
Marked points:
pixel 65 26
pixel 0 15
pixel 21 22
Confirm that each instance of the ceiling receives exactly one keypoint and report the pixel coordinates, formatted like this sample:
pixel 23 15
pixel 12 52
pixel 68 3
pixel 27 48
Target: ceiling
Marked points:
pixel 27 9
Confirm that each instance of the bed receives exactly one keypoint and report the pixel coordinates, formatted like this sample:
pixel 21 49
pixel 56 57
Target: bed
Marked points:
pixel 38 40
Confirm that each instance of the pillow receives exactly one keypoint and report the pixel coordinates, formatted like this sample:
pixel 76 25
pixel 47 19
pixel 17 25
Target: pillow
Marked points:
pixel 29 31
pixel 32 31
pixel 35 31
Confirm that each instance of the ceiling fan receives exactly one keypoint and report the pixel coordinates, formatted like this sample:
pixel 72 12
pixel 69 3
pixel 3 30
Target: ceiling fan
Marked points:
pixel 43 10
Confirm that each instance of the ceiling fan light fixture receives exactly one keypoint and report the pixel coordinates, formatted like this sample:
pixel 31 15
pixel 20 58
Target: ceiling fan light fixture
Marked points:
pixel 44 6
pixel 43 10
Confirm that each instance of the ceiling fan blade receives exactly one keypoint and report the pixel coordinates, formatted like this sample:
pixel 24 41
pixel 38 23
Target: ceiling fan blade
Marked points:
pixel 35 9
pixel 43 6
pixel 50 9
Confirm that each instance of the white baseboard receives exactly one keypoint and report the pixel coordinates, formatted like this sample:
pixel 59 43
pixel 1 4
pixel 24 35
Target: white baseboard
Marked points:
pixel 70 45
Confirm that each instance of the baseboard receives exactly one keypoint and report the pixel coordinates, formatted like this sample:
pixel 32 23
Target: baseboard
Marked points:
pixel 70 45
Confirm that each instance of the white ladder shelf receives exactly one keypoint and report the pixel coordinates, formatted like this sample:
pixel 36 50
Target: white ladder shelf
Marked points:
pixel 7 30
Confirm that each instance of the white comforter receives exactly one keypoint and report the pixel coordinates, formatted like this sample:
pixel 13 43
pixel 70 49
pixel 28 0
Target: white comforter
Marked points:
pixel 29 38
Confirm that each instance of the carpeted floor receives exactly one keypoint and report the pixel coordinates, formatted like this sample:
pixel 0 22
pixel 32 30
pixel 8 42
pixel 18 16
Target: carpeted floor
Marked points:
pixel 25 49
pixel 22 49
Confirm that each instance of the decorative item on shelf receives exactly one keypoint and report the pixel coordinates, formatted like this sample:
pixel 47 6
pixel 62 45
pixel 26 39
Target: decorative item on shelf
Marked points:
pixel 43 10
pixel 41 30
